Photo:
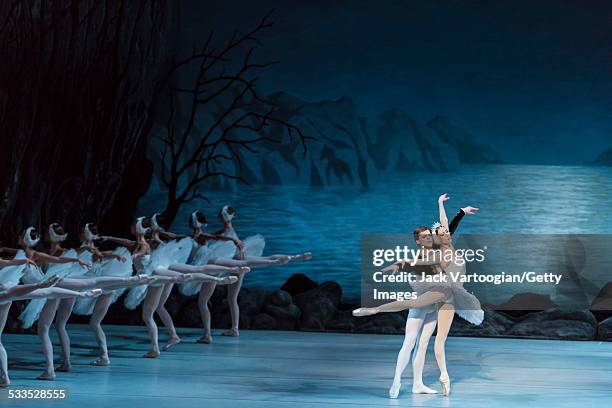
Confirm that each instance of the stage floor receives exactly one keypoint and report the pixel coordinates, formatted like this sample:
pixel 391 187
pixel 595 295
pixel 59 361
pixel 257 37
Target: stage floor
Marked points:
pixel 297 369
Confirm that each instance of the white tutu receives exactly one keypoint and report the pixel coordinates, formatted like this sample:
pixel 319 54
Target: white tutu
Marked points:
pixel 166 254
pixel 10 275
pixel 466 304
pixel 253 245
pixel 203 254
pixel 108 267
pixel 31 312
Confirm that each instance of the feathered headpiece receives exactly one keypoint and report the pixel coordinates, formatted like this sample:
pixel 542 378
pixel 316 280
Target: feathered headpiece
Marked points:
pixel 154 225
pixel 225 214
pixel 194 220
pixel 89 235
pixel 53 236
pixel 140 230
pixel 27 237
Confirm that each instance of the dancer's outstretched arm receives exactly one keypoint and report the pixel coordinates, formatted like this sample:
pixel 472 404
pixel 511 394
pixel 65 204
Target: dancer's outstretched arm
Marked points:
pixel 121 241
pixel 8 251
pixel 171 235
pixel 12 262
pixel 59 259
pixel 442 211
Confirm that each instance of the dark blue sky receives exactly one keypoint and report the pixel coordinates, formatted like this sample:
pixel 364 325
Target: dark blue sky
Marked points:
pixel 531 78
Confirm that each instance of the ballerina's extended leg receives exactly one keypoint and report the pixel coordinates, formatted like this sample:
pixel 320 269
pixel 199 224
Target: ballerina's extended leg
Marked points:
pixel 426 299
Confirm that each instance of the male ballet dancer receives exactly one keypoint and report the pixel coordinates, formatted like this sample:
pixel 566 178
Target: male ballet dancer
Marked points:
pixel 421 322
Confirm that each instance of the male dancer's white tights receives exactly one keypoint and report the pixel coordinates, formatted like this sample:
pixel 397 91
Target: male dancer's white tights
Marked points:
pixel 420 324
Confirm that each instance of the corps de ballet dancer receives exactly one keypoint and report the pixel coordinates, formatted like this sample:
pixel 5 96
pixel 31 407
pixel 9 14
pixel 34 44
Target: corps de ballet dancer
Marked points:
pixel 73 278
pixel 163 261
pixel 117 263
pixel 451 295
pixel 42 289
pixel 250 255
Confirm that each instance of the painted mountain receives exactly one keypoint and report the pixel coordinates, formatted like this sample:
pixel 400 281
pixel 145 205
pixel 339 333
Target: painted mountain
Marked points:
pixel 348 149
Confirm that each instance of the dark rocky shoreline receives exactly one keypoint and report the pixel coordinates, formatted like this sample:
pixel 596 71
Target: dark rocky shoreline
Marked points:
pixel 302 304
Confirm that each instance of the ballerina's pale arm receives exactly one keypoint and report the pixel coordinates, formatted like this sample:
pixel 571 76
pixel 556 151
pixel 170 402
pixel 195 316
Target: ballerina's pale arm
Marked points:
pixel 9 251
pixel 220 237
pixel 121 241
pixel 442 211
pixel 12 262
pixel 41 256
pixel 171 235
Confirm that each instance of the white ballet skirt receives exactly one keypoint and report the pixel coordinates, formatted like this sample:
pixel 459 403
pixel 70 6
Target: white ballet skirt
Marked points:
pixel 11 275
pixel 166 254
pixel 203 254
pixel 107 267
pixel 466 305
pixel 33 274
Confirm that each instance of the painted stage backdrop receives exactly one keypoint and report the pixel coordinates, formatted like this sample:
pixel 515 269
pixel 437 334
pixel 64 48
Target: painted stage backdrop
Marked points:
pixel 320 122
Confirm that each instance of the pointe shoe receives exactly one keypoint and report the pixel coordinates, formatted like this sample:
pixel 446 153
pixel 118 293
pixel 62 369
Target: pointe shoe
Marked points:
pixel 395 390
pixel 46 376
pixel 206 339
pixel 231 333
pixel 171 342
pixel 227 280
pixel 100 361
pixel 241 269
pixel 365 311
pixel 423 389
pixel 446 387
pixel 91 293
pixel 306 256
pixel 64 367
pixel 152 354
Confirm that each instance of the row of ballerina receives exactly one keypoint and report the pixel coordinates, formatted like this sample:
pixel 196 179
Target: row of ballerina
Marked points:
pixel 86 280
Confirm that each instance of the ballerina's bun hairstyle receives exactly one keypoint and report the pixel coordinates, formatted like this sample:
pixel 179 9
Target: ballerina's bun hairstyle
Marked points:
pixel 56 232
pixel 197 219
pixel 30 237
pixel 228 213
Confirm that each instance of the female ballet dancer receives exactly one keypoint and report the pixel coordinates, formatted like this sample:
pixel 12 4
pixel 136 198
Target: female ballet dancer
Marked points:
pixel 251 255
pixel 452 295
pixel 187 266
pixel 164 263
pixel 72 278
pixel 104 264
pixel 12 290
